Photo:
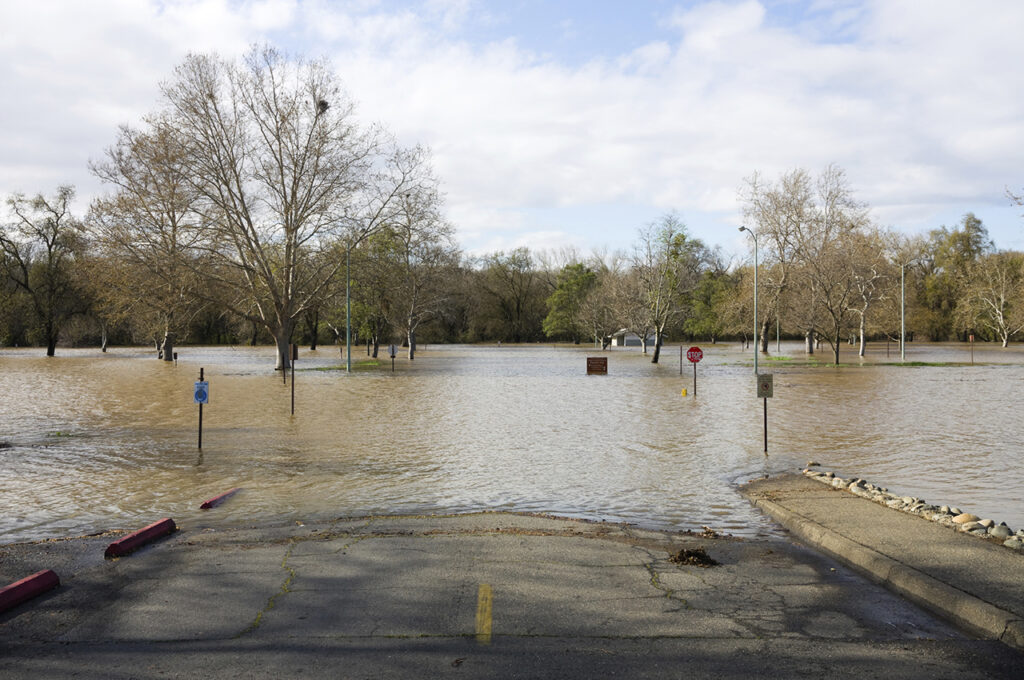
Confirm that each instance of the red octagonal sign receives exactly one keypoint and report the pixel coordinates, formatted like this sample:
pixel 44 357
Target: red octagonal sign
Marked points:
pixel 694 354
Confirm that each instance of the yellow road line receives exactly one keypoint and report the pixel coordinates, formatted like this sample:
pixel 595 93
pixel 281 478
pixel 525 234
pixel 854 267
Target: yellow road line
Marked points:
pixel 484 601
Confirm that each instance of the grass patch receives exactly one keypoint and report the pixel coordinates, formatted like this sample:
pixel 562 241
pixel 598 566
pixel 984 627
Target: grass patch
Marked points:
pixel 356 366
pixel 941 364
pixel 771 358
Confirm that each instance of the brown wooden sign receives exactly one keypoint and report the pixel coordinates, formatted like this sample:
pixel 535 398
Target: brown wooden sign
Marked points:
pixel 597 365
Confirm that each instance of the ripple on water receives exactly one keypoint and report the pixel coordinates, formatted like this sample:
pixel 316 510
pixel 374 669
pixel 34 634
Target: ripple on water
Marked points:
pixel 102 441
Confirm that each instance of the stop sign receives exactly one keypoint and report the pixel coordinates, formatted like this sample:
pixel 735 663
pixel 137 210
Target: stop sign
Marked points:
pixel 694 354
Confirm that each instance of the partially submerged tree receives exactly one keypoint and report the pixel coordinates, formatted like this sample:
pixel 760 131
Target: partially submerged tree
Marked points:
pixel 565 304
pixel 424 255
pixel 151 228
pixel 39 250
pixel 667 264
pixel 281 171
pixel 993 297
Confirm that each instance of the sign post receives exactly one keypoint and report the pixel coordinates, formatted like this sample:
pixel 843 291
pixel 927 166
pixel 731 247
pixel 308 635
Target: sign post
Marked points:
pixel 201 395
pixel 694 354
pixel 294 351
pixel 392 350
pixel 765 389
pixel 972 349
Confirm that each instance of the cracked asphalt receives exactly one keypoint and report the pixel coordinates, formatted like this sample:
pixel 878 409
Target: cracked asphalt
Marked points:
pixel 484 595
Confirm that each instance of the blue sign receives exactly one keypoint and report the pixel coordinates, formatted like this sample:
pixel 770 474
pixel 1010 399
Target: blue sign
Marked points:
pixel 201 393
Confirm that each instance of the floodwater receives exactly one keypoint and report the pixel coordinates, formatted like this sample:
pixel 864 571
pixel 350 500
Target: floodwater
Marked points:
pixel 92 441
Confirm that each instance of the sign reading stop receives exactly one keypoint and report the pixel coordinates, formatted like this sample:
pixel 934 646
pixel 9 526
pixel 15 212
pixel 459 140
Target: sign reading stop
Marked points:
pixel 694 354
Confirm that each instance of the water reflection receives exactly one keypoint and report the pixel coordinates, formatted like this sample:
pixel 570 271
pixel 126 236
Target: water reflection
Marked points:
pixel 105 440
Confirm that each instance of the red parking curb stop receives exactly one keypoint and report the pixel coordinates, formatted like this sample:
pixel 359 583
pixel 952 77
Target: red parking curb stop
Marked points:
pixel 217 500
pixel 137 539
pixel 27 588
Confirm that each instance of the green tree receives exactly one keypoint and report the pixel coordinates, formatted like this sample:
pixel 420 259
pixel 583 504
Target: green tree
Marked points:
pixel 709 304
pixel 948 255
pixel 667 264
pixel 565 304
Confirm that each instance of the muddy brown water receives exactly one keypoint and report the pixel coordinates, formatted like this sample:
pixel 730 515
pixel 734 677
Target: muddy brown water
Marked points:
pixel 98 441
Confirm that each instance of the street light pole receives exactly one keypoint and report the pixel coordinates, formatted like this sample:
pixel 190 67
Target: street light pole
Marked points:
pixel 903 299
pixel 348 308
pixel 754 236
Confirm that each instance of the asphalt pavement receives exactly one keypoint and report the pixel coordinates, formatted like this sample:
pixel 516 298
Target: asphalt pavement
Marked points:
pixel 477 596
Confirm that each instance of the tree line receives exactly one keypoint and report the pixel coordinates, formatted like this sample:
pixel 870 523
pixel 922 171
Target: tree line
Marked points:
pixel 252 206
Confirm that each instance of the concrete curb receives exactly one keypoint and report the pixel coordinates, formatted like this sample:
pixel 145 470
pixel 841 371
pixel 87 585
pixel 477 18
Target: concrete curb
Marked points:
pixel 27 588
pixel 137 539
pixel 220 498
pixel 964 609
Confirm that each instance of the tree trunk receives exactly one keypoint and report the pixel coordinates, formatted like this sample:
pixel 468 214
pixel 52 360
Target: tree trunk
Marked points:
pixel 809 342
pixel 835 346
pixel 282 338
pixel 312 319
pixel 763 340
pixel 51 339
pixel 167 348
pixel 657 346
pixel 643 343
pixel 411 336
pixel 863 340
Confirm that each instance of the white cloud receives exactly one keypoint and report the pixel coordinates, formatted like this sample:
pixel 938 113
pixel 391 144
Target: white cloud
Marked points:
pixel 922 103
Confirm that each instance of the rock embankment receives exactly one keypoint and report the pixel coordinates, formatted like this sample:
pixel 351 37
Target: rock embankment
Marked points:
pixel 946 515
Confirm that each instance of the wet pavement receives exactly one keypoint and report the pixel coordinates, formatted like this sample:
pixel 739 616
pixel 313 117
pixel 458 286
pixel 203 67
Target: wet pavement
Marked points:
pixel 482 595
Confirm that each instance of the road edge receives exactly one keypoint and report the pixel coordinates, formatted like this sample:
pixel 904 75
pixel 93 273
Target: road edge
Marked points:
pixel 964 609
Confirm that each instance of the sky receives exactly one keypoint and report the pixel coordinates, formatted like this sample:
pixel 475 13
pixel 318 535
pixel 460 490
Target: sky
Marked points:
pixel 574 123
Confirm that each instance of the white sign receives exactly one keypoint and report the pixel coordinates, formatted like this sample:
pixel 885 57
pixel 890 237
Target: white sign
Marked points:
pixel 393 350
pixel 765 385
pixel 201 392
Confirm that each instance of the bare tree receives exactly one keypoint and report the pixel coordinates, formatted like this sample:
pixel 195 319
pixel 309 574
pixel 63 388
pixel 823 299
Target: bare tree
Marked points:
pixel 780 213
pixel 994 299
pixel 425 253
pixel 597 312
pixel 39 249
pixel 282 171
pixel 872 271
pixel 149 226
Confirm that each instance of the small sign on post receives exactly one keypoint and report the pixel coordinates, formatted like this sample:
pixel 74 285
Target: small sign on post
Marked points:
pixel 694 355
pixel 597 365
pixel 201 395
pixel 393 351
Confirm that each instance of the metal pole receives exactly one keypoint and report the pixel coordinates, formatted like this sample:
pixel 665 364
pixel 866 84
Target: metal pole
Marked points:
pixel 754 236
pixel 680 359
pixel 695 378
pixel 766 426
pixel 291 354
pixel 348 308
pixel 756 348
pixel 903 328
pixel 200 414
